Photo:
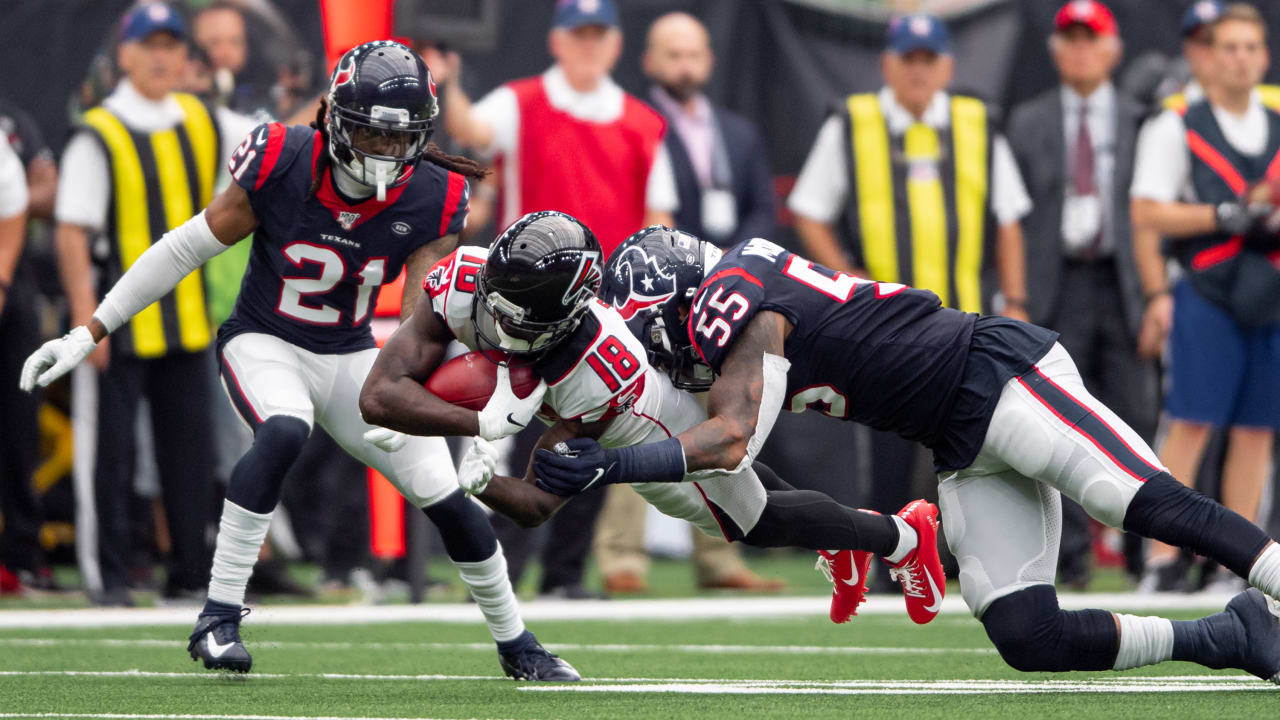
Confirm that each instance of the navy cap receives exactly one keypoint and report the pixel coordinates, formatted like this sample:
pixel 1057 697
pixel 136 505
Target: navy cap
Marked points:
pixel 151 18
pixel 1200 13
pixel 920 31
pixel 572 14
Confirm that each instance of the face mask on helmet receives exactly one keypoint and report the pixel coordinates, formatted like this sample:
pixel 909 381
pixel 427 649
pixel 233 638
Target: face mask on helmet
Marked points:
pixel 376 150
pixel 504 325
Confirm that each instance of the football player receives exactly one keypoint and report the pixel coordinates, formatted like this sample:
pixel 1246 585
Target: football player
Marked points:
pixel 533 294
pixel 335 210
pixel 1011 426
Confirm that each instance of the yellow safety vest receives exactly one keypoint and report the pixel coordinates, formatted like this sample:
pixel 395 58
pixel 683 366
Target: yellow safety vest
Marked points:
pixel 158 181
pixel 1177 102
pixel 929 233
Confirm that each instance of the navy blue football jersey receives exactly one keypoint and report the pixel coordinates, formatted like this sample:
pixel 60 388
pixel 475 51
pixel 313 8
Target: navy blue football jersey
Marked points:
pixel 881 354
pixel 318 260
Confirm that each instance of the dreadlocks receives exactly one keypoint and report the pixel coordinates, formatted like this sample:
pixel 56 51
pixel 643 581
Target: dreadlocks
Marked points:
pixel 466 167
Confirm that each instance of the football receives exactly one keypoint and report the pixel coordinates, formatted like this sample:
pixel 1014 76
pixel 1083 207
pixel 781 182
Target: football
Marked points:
pixel 468 380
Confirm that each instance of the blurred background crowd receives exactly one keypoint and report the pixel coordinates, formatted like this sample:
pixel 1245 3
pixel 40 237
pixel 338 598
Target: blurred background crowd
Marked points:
pixel 999 152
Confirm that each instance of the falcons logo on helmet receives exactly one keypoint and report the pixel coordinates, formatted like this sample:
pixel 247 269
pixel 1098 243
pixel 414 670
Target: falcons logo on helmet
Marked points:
pixel 586 284
pixel 636 266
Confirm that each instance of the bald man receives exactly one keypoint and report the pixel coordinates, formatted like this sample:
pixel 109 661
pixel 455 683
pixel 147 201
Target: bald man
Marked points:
pixel 726 195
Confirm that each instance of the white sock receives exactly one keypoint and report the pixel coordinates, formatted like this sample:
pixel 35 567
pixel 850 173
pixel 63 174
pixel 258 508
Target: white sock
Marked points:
pixel 1265 573
pixel 240 536
pixel 907 539
pixel 1143 641
pixel 492 591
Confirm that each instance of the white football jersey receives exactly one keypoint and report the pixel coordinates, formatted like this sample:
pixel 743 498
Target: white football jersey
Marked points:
pixel 599 373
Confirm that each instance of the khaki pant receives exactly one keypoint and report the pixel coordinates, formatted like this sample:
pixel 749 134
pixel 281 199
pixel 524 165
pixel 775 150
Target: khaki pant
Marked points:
pixel 619 541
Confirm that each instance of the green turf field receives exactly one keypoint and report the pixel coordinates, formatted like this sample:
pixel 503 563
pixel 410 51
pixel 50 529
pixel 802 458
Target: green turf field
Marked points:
pixel 876 666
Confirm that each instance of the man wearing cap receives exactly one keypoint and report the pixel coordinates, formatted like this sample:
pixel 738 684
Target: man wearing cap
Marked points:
pixel 1194 174
pixel 570 138
pixel 913 185
pixel 1195 71
pixel 140 164
pixel 1074 145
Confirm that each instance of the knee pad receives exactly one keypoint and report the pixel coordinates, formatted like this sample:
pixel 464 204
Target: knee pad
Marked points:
pixel 257 477
pixel 464 528
pixel 1168 511
pixel 1033 634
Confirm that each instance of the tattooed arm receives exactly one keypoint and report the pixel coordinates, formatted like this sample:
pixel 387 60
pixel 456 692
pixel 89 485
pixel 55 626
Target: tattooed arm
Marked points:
pixel 737 417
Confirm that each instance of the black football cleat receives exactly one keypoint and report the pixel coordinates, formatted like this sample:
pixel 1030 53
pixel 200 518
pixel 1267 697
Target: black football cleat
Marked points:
pixel 216 640
pixel 533 662
pixel 1259 618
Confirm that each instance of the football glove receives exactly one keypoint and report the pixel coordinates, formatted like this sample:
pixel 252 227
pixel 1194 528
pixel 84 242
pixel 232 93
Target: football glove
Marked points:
pixel 477 467
pixel 385 439
pixel 55 358
pixel 505 414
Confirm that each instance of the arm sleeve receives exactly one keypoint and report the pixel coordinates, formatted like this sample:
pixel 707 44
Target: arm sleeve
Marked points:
pixel 501 113
pixel 1009 199
pixel 13 182
pixel 721 310
pixel 84 183
pixel 823 184
pixel 158 270
pixel 1161 167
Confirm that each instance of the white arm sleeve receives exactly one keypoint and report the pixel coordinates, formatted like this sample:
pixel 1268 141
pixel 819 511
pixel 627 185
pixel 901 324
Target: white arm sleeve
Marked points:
pixel 158 270
pixel 775 390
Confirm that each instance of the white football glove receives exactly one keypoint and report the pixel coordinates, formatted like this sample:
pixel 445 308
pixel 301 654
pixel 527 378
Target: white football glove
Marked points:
pixel 505 414
pixel 476 469
pixel 385 439
pixel 55 358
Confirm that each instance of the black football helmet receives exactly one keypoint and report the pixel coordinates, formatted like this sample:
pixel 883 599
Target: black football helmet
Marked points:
pixel 541 276
pixel 651 280
pixel 381 97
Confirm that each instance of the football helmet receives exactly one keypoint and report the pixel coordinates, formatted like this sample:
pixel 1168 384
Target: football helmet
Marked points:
pixel 382 109
pixel 651 280
pixel 541 276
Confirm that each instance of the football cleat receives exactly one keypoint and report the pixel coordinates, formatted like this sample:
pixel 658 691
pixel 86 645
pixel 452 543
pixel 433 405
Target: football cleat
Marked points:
pixel 847 572
pixel 1259 618
pixel 216 640
pixel 923 583
pixel 533 662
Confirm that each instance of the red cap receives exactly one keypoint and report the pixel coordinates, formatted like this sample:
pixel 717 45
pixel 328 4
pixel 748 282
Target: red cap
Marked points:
pixel 1090 13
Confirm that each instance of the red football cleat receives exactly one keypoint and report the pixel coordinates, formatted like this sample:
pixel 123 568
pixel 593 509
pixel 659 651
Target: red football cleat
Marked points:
pixel 9 582
pixel 923 584
pixel 847 571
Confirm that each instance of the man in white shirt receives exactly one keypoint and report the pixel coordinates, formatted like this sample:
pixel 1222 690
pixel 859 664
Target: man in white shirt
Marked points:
pixel 1192 172
pixel 144 158
pixel 13 227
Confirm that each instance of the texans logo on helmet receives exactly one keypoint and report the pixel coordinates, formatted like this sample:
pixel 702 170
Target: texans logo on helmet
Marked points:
pixel 640 266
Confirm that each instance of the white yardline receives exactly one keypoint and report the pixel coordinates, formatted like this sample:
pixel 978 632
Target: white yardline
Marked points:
pixel 488 647
pixel 1225 681
pixel 702 689
pixel 136 716
pixel 718 608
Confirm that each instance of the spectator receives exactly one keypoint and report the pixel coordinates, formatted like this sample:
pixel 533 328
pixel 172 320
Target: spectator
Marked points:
pixel 20 549
pixel 617 178
pixel 726 195
pixel 722 175
pixel 218 32
pixel 142 163
pixel 1074 145
pixel 1192 169
pixel 931 181
pixel 19 546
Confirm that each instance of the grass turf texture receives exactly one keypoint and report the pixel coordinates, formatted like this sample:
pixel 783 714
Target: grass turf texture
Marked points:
pixel 289 662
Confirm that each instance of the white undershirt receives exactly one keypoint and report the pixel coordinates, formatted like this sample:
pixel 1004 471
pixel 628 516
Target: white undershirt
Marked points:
pixel 823 185
pixel 84 180
pixel 501 112
pixel 13 181
pixel 1162 168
